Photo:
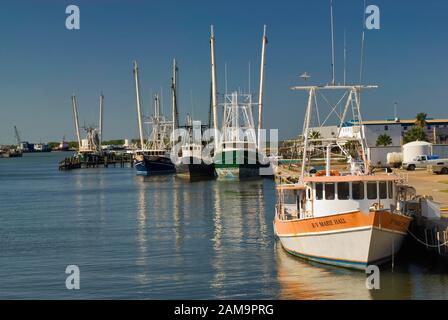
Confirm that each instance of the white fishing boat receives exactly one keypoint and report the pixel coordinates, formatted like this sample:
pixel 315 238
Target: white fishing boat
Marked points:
pixel 349 218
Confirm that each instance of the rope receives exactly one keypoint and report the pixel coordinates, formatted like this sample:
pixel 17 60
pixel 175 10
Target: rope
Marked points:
pixel 427 244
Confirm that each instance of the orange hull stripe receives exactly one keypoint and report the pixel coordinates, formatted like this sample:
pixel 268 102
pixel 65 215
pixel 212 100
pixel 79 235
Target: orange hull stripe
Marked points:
pixel 344 221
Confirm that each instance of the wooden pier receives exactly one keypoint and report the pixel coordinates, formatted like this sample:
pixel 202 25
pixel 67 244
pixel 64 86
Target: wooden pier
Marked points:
pixel 96 161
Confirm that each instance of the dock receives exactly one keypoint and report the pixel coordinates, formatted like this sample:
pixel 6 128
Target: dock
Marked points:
pixel 96 161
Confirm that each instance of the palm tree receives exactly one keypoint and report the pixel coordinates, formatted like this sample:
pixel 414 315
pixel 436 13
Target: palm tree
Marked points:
pixel 414 134
pixel 313 135
pixel 420 120
pixel 383 140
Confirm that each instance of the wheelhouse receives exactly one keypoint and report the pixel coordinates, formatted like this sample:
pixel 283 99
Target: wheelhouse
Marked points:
pixel 324 196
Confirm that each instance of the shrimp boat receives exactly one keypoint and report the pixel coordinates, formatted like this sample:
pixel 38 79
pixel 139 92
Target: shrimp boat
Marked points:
pixel 351 219
pixel 237 152
pixel 193 164
pixel 237 155
pixel 154 156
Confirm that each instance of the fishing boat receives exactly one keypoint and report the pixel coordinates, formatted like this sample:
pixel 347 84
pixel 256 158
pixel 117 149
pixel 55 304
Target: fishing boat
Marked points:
pixel 350 218
pixel 193 164
pixel 89 148
pixel 237 152
pixel 237 155
pixel 154 156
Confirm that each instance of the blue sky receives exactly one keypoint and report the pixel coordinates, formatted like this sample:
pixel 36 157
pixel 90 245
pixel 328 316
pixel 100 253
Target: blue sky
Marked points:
pixel 42 63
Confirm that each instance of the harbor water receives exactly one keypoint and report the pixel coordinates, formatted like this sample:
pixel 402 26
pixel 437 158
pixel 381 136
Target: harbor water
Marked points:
pixel 166 238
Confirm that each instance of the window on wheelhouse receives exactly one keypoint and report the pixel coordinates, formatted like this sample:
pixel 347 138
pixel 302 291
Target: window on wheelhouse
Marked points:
pixel 329 191
pixel 372 192
pixel 358 190
pixel 383 189
pixel 391 189
pixel 343 190
pixel 319 191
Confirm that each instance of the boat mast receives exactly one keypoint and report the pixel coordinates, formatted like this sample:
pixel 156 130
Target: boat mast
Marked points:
pixel 333 81
pixel 75 115
pixel 260 97
pixel 174 95
pixel 101 121
pixel 139 112
pixel 214 93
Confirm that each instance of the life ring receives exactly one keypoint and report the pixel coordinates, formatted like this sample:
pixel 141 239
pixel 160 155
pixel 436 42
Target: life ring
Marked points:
pixel 333 173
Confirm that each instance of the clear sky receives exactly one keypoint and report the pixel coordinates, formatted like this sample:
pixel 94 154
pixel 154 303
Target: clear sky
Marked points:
pixel 42 63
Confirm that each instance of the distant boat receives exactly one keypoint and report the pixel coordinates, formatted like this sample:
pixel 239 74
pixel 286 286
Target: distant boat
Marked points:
pixel 63 146
pixel 11 153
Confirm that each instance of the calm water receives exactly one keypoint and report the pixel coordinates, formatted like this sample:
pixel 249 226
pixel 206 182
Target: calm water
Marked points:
pixel 165 238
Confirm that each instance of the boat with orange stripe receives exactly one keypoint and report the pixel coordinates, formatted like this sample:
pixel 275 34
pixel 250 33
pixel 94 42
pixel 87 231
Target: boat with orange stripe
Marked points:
pixel 350 218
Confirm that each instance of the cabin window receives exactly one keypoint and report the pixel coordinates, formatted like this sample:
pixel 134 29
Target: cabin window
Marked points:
pixel 372 192
pixel 330 191
pixel 319 191
pixel 383 189
pixel 309 193
pixel 358 190
pixel 343 190
pixel 391 190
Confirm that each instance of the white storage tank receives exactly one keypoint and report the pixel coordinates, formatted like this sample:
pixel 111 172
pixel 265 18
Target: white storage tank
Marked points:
pixel 394 158
pixel 416 148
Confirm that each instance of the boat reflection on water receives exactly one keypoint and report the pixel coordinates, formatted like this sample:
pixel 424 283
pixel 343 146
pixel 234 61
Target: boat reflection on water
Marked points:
pixel 241 237
pixel 300 279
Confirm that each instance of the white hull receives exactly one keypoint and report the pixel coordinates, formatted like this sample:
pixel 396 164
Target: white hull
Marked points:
pixel 348 248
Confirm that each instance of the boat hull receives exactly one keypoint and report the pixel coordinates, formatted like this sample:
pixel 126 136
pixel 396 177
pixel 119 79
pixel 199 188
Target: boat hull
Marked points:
pixel 195 168
pixel 154 165
pixel 238 164
pixel 353 240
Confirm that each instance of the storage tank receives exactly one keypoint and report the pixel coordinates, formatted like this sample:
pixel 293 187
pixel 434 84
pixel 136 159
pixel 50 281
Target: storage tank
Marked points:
pixel 394 159
pixel 416 148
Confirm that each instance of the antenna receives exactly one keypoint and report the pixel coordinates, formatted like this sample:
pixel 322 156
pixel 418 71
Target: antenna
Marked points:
pixel 333 81
pixel 249 79
pixel 345 58
pixel 396 111
pixel 305 76
pixel 101 119
pixel 225 75
pixel 361 67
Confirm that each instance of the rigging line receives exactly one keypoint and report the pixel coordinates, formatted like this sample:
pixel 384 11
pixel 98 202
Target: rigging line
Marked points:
pixel 427 244
pixel 333 107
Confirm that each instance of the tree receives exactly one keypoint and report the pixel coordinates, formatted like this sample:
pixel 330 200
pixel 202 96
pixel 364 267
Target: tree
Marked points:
pixel 383 140
pixel 314 135
pixel 414 134
pixel 420 120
